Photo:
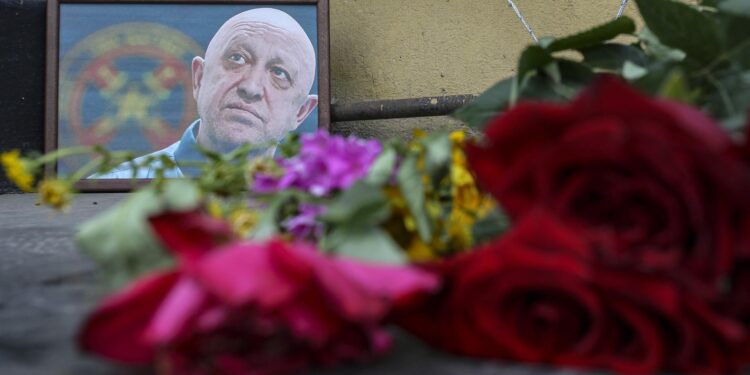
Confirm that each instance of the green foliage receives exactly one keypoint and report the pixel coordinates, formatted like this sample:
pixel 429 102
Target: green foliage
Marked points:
pixel 410 183
pixel 268 225
pixel 683 27
pixel 486 106
pixel 490 226
pixel 121 241
pixel 595 36
pixel 368 244
pixel 382 168
pixel 362 205
pixel 695 54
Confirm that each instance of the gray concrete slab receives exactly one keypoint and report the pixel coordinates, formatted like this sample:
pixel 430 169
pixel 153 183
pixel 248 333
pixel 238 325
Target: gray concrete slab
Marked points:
pixel 46 288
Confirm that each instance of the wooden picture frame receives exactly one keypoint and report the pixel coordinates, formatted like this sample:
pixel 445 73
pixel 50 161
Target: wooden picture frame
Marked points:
pixel 91 83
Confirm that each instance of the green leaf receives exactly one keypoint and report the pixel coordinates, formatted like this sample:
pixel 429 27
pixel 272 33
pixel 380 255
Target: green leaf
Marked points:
pixel 490 227
pixel 736 7
pixel 595 36
pixel 268 223
pixel 737 36
pixel 438 148
pixel 632 71
pixel 410 183
pixel 533 58
pixel 568 79
pixel 728 95
pixel 658 49
pixel 121 241
pixel 575 76
pixel 684 27
pixel 735 124
pixel 488 105
pixel 362 205
pixel 552 70
pixel 676 87
pixel 371 245
pixel 382 168
pixel 180 194
pixel 612 56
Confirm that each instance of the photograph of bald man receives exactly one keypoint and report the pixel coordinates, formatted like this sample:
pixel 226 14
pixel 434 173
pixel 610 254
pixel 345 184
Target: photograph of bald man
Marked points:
pixel 252 86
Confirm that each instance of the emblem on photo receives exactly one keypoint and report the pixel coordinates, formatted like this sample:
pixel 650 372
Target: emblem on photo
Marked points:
pixel 128 86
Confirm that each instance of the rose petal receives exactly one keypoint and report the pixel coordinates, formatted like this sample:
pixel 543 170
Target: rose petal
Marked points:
pixel 116 329
pixel 254 273
pixel 191 234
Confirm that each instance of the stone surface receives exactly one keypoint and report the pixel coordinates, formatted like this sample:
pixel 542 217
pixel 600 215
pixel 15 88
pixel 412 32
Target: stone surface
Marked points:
pixel 46 288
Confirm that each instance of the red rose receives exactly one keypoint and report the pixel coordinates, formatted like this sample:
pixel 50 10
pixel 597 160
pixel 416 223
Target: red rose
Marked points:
pixel 538 295
pixel 659 178
pixel 248 308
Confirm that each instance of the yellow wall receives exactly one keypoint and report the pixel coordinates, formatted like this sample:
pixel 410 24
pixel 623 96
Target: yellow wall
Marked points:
pixel 389 49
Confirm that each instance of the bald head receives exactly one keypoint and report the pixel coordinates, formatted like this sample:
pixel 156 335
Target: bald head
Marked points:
pixel 270 21
pixel 254 84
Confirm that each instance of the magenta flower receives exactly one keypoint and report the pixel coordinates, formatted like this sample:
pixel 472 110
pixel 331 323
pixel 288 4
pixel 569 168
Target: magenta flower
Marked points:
pixel 248 308
pixel 325 163
pixel 304 225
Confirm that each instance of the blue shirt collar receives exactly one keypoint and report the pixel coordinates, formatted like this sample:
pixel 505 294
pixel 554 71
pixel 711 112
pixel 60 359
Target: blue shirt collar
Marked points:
pixel 187 150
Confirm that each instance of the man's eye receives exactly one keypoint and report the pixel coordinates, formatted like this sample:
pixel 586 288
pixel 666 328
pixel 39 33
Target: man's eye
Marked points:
pixel 237 58
pixel 280 73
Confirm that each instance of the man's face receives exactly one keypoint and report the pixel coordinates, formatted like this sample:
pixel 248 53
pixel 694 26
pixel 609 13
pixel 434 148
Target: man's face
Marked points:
pixel 253 85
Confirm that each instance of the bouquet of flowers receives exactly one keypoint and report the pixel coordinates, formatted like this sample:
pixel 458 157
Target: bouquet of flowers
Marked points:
pixel 590 225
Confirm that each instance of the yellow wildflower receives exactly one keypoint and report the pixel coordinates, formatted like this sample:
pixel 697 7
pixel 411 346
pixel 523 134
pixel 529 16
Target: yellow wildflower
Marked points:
pixel 16 168
pixel 452 228
pixel 214 208
pixel 418 251
pixel 55 193
pixel 469 204
pixel 243 221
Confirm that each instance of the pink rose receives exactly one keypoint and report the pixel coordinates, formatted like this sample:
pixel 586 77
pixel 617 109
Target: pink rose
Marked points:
pixel 246 307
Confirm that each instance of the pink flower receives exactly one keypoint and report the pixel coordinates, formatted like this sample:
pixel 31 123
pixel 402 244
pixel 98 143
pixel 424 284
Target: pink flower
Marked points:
pixel 325 163
pixel 250 308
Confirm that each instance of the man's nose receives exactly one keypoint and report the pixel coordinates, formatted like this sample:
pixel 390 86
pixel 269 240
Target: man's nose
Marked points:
pixel 250 88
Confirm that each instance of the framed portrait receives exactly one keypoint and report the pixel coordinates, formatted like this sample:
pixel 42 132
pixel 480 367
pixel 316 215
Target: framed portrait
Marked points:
pixel 167 78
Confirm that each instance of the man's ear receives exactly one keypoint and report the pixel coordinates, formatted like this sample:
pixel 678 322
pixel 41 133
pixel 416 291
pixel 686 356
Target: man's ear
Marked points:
pixel 197 75
pixel 306 108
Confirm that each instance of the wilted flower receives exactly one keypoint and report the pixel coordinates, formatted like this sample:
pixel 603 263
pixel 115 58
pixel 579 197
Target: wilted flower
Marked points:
pixel 17 170
pixel 55 193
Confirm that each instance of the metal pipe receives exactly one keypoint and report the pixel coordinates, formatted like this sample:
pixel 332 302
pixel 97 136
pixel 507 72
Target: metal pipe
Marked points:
pixel 399 108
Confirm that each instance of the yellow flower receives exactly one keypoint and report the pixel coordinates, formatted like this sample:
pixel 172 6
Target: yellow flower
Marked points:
pixel 458 136
pixel 55 193
pixel 469 204
pixel 214 208
pixel 243 221
pixel 453 207
pixel 418 251
pixel 16 168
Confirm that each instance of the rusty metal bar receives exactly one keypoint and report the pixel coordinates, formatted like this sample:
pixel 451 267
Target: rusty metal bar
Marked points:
pixel 398 108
